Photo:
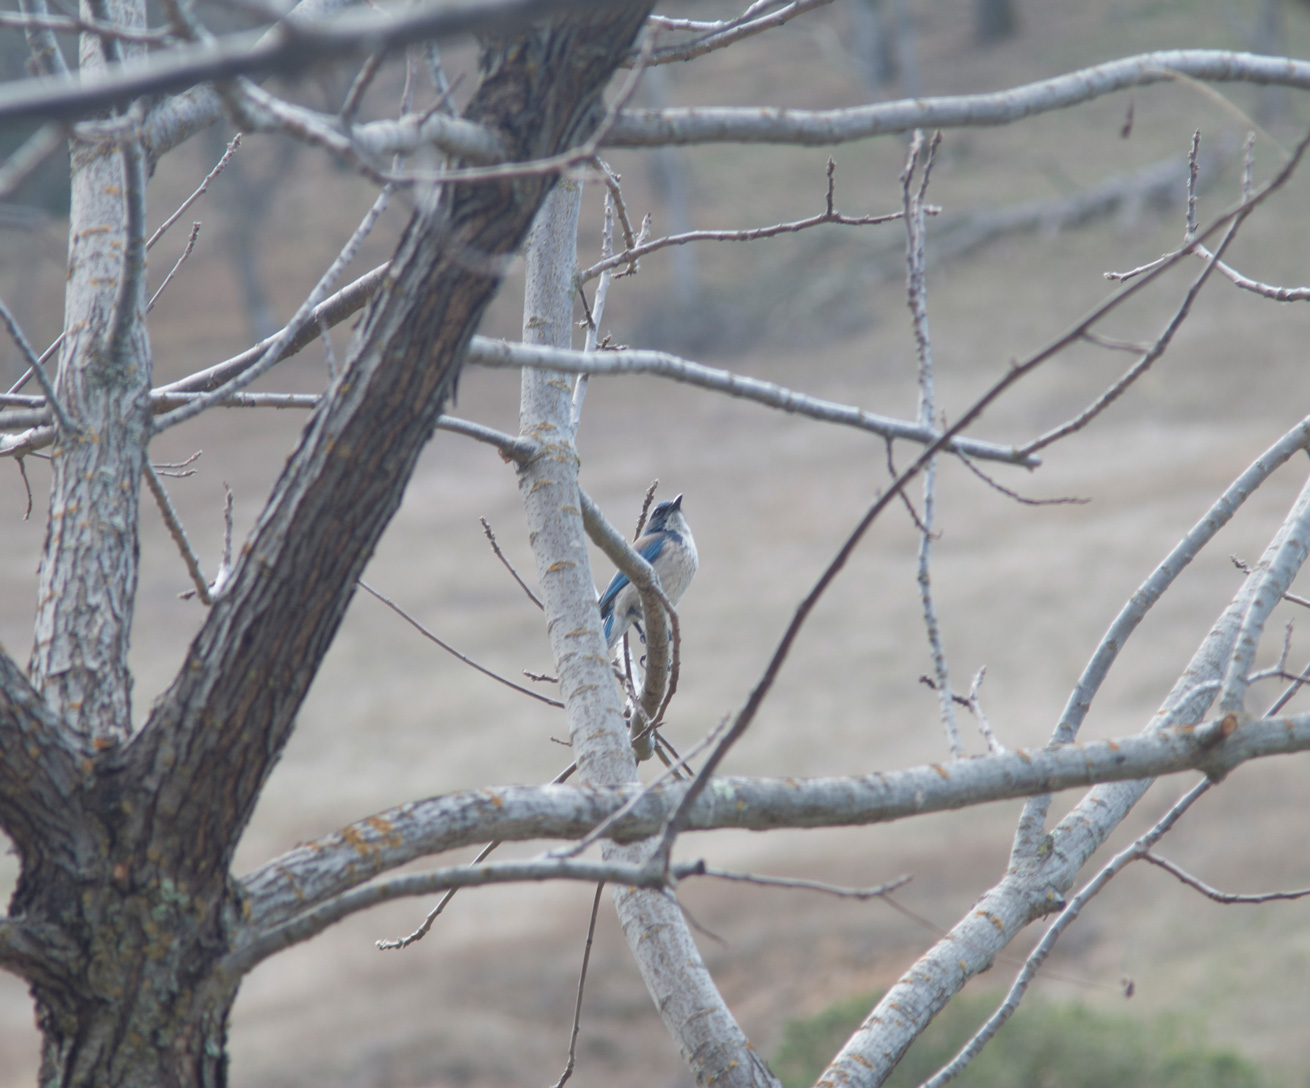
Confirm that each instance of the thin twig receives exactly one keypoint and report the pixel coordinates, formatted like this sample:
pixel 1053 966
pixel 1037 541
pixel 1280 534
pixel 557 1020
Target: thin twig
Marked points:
pixel 974 703
pixel 174 468
pixel 906 501
pixel 22 471
pixel 435 912
pixel 355 95
pixel 1264 290
pixel 483 854
pixel 35 367
pixel 1291 598
pixel 454 652
pixel 596 311
pixel 630 255
pixel 996 485
pixel 582 982
pixel 1149 356
pixel 916 287
pixel 612 182
pixel 178 533
pixel 1193 173
pixel 734 31
pixel 495 547
pixel 1113 344
pixel 1132 273
pixel 798 884
pixel 1297 682
pixel 303 316
pixel 200 191
pixel 186 252
pixel 1214 893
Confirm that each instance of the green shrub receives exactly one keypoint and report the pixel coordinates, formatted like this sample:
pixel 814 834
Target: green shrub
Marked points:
pixel 1045 1045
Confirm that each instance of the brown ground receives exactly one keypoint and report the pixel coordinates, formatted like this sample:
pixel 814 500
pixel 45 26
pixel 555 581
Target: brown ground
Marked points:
pixel 486 999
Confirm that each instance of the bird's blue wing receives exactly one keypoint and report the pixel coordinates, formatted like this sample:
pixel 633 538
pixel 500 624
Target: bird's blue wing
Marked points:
pixel 611 593
pixel 649 548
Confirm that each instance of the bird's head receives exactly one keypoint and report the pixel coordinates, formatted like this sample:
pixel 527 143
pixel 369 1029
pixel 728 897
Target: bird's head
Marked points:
pixel 667 518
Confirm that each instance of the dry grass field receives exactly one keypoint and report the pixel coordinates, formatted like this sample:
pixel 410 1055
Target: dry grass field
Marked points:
pixel 486 1000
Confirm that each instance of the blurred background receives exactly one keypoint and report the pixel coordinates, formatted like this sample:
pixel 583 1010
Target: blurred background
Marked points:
pixel 1033 215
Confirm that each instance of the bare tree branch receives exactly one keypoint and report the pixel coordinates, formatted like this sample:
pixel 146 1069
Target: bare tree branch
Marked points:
pixel 332 311
pixel 315 872
pixel 1214 893
pixel 723 34
pixel 633 251
pixel 822 128
pixel 498 353
pixel 293 45
pixel 1035 882
pixel 1138 850
pixel 1153 588
pixel 253 948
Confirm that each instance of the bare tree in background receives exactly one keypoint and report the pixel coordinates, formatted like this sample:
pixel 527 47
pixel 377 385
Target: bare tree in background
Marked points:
pixel 247 204
pixel 128 921
pixel 994 20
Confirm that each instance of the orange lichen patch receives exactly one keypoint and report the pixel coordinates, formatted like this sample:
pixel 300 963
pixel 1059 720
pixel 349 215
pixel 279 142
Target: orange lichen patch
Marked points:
pixel 379 824
pixel 355 838
pixel 1000 926
pixel 1229 725
pixel 941 771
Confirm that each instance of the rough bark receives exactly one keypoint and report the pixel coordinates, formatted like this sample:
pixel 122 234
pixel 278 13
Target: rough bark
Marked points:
pixel 89 563
pixel 125 905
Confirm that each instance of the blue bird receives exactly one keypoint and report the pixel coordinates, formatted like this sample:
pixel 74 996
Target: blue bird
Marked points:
pixel 668 547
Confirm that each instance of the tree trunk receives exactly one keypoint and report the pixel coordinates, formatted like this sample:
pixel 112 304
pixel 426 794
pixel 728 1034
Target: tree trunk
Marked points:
pixel 127 984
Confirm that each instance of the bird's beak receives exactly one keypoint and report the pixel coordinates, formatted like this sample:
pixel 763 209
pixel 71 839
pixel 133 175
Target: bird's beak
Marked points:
pixel 677 503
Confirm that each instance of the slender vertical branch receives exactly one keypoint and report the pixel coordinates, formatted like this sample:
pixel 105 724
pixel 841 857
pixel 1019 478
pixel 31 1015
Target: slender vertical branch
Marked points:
pixel 916 283
pixel 711 1042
